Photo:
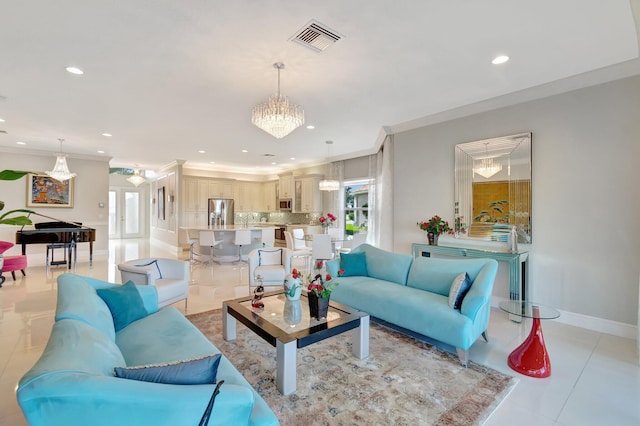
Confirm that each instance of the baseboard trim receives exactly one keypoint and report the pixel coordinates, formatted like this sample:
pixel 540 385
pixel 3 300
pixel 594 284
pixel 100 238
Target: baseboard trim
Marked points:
pixel 600 325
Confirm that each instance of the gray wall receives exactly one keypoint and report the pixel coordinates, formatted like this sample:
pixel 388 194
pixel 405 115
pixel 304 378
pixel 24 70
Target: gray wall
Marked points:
pixel 585 256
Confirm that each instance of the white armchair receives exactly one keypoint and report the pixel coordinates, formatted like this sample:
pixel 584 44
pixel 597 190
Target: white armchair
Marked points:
pixel 272 264
pixel 170 277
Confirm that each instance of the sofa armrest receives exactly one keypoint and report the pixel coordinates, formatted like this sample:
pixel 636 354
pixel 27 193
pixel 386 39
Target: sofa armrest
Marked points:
pixel 479 296
pixel 65 398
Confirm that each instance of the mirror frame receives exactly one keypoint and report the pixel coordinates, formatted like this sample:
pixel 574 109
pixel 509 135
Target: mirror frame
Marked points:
pixel 514 152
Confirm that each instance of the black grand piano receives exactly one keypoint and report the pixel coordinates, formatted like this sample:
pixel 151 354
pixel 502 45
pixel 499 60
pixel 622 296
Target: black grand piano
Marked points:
pixel 58 233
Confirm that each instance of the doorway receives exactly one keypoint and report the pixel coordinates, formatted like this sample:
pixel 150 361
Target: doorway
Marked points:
pixel 126 213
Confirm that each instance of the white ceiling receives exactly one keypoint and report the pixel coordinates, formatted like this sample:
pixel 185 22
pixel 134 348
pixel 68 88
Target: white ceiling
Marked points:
pixel 168 78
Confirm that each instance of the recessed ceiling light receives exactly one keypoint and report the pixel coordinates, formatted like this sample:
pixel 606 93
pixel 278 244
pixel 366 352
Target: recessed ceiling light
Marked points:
pixel 1 120
pixel 292 158
pixel 21 143
pixel 202 151
pixel 274 163
pixel 75 70
pixel 244 150
pixel 311 127
pixel 100 151
pixel 107 135
pixel 212 162
pixel 500 60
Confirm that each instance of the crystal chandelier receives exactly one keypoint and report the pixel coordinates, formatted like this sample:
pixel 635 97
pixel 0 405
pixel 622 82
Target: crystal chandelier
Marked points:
pixel 136 179
pixel 277 116
pixel 329 184
pixel 487 167
pixel 61 171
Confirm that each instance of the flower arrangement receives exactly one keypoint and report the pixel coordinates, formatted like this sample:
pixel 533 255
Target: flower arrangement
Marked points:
pixel 328 220
pixel 436 225
pixel 322 288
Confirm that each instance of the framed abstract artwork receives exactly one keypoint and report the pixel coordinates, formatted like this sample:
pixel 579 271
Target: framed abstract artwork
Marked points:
pixel 44 191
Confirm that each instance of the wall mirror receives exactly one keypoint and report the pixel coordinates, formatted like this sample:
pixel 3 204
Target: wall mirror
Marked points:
pixel 493 187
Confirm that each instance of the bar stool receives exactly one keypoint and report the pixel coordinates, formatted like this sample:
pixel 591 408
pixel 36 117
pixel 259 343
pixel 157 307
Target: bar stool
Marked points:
pixel 243 238
pixel 208 239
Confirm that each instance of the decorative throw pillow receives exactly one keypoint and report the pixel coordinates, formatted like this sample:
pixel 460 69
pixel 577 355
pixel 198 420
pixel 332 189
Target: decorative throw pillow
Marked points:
pixel 155 272
pixel 269 257
pixel 125 304
pixel 195 371
pixel 459 288
pixel 353 264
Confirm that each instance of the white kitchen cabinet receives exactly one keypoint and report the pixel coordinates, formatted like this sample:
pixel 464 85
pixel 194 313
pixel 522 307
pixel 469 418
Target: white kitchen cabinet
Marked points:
pixel 286 187
pixel 220 189
pixel 269 197
pixel 248 197
pixel 308 196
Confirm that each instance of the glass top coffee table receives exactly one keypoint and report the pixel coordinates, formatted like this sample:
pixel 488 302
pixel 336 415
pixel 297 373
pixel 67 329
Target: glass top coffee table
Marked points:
pixel 287 325
pixel 531 357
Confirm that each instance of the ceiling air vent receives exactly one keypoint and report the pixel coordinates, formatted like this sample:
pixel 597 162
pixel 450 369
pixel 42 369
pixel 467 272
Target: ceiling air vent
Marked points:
pixel 3 131
pixel 316 36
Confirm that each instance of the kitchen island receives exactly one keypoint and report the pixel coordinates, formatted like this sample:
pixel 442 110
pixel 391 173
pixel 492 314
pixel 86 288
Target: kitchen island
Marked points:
pixel 227 251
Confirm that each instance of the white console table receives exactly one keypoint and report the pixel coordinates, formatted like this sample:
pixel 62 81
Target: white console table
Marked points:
pixel 518 263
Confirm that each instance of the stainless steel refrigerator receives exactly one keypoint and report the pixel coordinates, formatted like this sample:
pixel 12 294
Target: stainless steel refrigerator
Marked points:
pixel 220 212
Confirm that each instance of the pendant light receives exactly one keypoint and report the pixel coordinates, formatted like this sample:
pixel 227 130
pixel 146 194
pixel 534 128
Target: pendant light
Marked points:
pixel 329 184
pixel 60 170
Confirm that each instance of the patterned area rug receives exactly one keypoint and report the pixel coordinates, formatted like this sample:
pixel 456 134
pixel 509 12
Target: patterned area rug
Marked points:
pixel 402 382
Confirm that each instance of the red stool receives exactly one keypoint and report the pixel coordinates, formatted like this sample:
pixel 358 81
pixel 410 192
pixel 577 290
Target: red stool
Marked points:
pixel 12 263
pixel 15 263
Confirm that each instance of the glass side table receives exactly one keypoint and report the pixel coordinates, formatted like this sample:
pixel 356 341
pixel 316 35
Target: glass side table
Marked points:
pixel 531 357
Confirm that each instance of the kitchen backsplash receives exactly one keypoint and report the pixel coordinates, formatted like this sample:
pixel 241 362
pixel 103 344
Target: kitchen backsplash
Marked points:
pixel 278 217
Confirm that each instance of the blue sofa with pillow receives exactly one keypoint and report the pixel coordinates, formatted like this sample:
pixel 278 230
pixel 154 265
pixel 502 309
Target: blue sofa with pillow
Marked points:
pixel 445 299
pixel 100 327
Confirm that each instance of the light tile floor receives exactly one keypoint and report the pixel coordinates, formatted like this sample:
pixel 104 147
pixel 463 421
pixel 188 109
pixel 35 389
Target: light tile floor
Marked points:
pixel 595 380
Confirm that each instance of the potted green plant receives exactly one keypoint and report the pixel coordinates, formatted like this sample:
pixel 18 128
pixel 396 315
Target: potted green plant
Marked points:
pixel 10 217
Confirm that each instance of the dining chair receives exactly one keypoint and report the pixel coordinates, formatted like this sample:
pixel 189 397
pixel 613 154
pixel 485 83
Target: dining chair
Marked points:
pixel 299 242
pixel 322 248
pixel 208 239
pixel 243 238
pixel 304 253
pixel 268 237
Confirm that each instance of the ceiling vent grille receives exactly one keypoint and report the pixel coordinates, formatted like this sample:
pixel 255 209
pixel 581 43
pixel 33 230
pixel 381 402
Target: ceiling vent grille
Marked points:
pixel 3 131
pixel 316 36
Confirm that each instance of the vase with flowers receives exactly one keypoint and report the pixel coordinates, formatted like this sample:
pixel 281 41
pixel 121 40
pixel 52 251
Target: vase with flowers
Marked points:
pixel 319 291
pixel 327 221
pixel 434 228
pixel 293 285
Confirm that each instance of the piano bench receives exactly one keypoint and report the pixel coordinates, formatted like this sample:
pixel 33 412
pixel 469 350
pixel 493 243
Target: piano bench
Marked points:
pixel 53 247
pixel 15 263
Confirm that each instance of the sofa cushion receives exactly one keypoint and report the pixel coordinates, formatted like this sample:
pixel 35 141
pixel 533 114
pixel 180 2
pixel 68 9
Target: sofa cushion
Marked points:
pixel 386 265
pixel 353 264
pixel 164 336
pixel 437 274
pixel 152 266
pixel 125 304
pixel 76 346
pixel 459 289
pixel 270 257
pixel 78 300
pixel 195 371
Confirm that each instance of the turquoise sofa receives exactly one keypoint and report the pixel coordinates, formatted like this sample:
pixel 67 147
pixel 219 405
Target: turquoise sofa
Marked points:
pixel 73 382
pixel 414 294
